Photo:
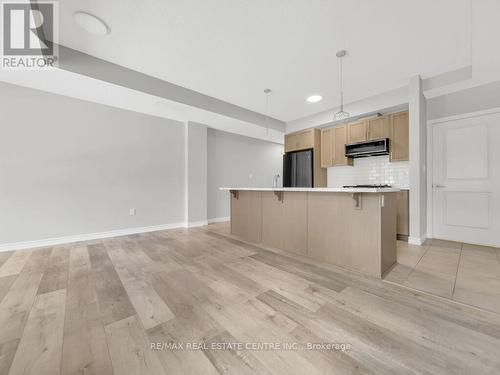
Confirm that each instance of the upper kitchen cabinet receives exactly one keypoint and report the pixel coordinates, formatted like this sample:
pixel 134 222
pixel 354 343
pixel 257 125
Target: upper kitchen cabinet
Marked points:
pixel 291 142
pixel 339 138
pixel 378 127
pixel 306 139
pixel 399 135
pixel 319 171
pixel 357 131
pixel 326 148
pixel 309 139
pixel 299 141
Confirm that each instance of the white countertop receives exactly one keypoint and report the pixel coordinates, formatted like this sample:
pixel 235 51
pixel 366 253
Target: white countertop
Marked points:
pixel 319 190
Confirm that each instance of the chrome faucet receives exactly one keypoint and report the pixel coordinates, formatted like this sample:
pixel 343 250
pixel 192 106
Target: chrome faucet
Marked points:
pixel 276 178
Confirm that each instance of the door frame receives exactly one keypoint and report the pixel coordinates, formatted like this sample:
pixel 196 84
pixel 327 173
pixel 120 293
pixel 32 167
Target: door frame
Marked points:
pixel 430 166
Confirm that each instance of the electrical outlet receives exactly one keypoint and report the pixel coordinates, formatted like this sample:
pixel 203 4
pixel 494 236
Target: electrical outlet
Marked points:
pixel 132 212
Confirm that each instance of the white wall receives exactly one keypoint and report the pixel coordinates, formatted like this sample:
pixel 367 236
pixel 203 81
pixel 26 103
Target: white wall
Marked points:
pixel 418 161
pixel 196 173
pixel 371 170
pixel 238 161
pixel 471 100
pixel 70 167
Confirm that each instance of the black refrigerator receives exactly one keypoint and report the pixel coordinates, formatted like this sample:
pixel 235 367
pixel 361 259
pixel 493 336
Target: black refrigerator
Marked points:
pixel 298 169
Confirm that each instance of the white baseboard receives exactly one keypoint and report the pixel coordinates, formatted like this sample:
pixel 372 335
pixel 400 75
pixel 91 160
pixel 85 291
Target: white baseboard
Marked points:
pixel 89 236
pixel 219 219
pixel 419 241
pixel 194 224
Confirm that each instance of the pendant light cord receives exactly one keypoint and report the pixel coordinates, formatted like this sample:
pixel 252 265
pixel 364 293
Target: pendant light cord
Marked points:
pixel 267 92
pixel 341 85
pixel 267 113
pixel 341 115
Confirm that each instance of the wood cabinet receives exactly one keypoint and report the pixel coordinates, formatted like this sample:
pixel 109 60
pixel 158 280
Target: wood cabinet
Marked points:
pixel 291 142
pixel 394 126
pixel 357 131
pixel 299 141
pixel 327 148
pixel 403 217
pixel 373 128
pixel 378 127
pixel 319 172
pixel 306 139
pixel 399 135
pixel 333 143
pixel 339 139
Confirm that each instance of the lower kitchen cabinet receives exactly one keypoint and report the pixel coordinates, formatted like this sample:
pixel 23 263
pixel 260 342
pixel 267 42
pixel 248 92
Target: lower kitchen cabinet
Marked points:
pixel 403 214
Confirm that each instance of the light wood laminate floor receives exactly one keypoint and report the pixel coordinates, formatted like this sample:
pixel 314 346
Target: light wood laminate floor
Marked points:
pixel 97 307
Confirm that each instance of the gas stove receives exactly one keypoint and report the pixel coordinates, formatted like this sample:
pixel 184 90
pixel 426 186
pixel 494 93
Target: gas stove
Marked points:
pixel 374 186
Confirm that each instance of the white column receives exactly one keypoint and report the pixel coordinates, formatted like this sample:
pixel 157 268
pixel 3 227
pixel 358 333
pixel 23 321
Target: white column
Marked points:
pixel 418 160
pixel 195 174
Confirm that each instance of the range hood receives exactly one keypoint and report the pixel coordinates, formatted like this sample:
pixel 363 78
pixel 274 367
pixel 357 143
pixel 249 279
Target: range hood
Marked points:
pixel 374 147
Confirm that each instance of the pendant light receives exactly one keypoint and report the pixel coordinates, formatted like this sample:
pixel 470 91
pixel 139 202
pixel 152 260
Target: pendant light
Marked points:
pixel 341 114
pixel 267 92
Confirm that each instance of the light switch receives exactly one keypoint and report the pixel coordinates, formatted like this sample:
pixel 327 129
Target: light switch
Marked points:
pixel 132 212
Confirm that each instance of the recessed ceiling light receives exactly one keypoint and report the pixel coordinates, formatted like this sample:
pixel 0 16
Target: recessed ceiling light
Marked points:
pixel 91 23
pixel 314 98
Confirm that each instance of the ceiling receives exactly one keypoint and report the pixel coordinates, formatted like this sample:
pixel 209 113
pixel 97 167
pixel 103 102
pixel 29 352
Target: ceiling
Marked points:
pixel 233 49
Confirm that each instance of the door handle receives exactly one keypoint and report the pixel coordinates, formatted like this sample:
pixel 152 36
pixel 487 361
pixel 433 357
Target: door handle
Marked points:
pixel 439 186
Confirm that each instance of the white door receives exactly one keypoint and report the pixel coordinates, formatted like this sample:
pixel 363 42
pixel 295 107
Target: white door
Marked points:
pixel 466 180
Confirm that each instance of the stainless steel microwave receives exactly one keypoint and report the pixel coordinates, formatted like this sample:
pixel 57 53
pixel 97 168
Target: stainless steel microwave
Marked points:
pixel 372 147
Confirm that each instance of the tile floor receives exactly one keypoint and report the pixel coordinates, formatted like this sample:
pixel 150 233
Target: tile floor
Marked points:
pixel 462 272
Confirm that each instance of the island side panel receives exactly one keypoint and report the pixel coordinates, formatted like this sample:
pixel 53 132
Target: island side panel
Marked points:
pixel 389 232
pixel 246 215
pixel 343 235
pixel 284 222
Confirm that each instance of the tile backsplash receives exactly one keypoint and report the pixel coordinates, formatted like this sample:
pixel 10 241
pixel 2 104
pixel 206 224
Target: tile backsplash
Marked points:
pixel 371 170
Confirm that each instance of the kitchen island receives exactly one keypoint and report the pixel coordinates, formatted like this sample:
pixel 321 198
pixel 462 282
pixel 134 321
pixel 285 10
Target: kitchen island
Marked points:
pixel 350 227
